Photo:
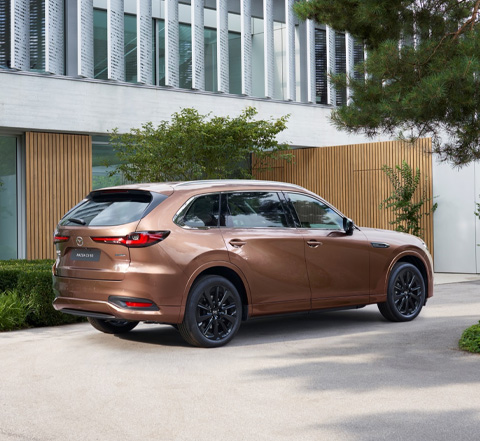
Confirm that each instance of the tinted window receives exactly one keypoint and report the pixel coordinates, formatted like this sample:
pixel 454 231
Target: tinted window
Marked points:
pixel 108 209
pixel 253 210
pixel 202 212
pixel 315 214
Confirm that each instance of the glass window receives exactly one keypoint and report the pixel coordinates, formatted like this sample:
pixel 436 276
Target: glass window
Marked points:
pixel 109 210
pixel 160 52
pixel 321 66
pixel 4 34
pixel 37 35
pixel 358 57
pixel 235 62
pixel 104 160
pixel 100 44
pixel 8 198
pixel 254 210
pixel 210 50
pixel 185 48
pixel 314 214
pixel 130 45
pixel 203 212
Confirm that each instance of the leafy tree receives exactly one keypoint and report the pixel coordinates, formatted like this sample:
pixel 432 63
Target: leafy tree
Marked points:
pixel 194 146
pixel 423 68
pixel 407 208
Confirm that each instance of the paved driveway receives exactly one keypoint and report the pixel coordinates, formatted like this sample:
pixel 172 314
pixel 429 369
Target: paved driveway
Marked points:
pixel 333 376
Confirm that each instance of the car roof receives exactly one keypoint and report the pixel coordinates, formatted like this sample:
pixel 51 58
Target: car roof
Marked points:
pixel 218 184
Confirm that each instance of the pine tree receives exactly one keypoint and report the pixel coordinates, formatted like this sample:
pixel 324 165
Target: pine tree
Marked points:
pixel 423 70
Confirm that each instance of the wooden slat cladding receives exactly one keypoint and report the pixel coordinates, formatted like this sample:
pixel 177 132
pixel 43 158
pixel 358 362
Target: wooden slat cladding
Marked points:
pixel 58 176
pixel 351 177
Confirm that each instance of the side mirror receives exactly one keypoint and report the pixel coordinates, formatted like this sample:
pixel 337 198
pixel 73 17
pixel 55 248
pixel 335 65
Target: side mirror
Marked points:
pixel 348 226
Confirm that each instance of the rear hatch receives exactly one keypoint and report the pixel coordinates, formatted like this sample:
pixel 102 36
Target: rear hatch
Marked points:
pixel 93 239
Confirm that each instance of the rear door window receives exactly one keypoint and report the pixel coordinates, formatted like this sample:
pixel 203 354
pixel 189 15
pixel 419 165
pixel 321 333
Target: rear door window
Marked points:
pixel 109 209
pixel 201 213
pixel 253 210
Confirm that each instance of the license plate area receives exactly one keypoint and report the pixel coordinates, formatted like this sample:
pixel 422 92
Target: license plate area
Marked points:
pixel 85 255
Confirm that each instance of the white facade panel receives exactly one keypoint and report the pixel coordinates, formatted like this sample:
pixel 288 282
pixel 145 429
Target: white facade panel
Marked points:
pixel 198 44
pixel 269 50
pixel 144 42
pixel 20 34
pixel 115 40
pixel 171 43
pixel 311 72
pixel 290 51
pixel 331 93
pixel 246 46
pixel 222 47
pixel 85 38
pixel 54 37
pixel 349 42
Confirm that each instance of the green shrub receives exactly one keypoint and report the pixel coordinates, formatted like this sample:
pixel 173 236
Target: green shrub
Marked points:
pixel 13 311
pixel 32 281
pixel 470 340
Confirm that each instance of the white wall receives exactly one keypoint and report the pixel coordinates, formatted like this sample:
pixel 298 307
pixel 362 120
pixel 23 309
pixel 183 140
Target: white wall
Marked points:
pixel 60 104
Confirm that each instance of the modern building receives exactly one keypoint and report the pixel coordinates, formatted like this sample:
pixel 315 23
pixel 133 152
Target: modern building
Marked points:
pixel 72 70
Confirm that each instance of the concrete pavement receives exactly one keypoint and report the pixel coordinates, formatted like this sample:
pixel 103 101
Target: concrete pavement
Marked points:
pixel 324 376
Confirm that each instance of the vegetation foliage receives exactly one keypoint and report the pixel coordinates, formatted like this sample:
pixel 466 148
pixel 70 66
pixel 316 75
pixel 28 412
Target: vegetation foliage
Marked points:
pixel 407 199
pixel 193 146
pixel 470 340
pixel 26 295
pixel 423 69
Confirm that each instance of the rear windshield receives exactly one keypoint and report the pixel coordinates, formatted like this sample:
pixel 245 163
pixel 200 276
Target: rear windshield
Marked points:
pixel 106 209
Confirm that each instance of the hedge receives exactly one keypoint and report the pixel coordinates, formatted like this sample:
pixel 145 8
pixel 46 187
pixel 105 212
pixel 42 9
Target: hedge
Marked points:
pixel 26 291
pixel 470 340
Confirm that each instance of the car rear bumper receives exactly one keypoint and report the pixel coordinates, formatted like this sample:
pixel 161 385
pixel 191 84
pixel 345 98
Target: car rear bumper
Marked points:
pixel 90 298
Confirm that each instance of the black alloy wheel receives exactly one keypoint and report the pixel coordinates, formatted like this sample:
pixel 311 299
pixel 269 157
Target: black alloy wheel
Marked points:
pixel 213 313
pixel 112 326
pixel 406 293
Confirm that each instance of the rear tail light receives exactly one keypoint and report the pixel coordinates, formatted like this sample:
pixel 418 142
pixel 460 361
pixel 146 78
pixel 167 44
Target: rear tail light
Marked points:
pixel 133 303
pixel 135 240
pixel 59 239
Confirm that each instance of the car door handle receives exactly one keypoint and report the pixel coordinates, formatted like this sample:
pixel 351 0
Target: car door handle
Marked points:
pixel 237 243
pixel 314 243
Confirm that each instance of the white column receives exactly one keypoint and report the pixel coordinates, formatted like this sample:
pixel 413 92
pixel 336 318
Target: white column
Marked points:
pixel 85 38
pixel 269 60
pixel 198 44
pixel 54 37
pixel 290 52
pixel 171 43
pixel 330 35
pixel 20 34
pixel 349 42
pixel 311 68
pixel 115 40
pixel 222 47
pixel 246 48
pixel 144 42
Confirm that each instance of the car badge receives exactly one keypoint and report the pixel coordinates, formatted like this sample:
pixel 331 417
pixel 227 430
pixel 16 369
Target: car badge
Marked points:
pixel 80 241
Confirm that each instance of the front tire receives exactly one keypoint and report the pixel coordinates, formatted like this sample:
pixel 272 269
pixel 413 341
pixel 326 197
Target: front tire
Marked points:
pixel 112 326
pixel 405 295
pixel 213 313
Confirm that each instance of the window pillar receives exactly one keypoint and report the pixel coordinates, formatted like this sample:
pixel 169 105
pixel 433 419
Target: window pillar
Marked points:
pixel 54 37
pixel 311 71
pixel 222 47
pixel 144 42
pixel 85 38
pixel 290 51
pixel 269 60
pixel 115 40
pixel 331 94
pixel 246 45
pixel 198 44
pixel 20 34
pixel 171 43
pixel 350 64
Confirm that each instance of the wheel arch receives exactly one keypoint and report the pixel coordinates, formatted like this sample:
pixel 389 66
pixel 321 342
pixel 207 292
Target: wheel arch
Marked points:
pixel 231 273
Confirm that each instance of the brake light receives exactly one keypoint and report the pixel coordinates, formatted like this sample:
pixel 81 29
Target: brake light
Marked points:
pixel 138 304
pixel 138 239
pixel 59 239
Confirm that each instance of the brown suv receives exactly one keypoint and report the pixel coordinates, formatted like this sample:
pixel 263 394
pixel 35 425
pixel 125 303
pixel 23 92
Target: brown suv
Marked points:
pixel 205 255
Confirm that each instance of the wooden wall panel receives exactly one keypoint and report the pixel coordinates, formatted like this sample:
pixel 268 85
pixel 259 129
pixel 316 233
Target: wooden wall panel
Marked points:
pixel 351 177
pixel 59 175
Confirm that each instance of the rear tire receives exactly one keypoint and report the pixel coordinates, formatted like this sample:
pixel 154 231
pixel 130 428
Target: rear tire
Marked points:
pixel 405 295
pixel 213 313
pixel 112 326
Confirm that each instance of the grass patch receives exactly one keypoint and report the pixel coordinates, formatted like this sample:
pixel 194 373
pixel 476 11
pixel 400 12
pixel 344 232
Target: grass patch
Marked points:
pixel 13 311
pixel 470 340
